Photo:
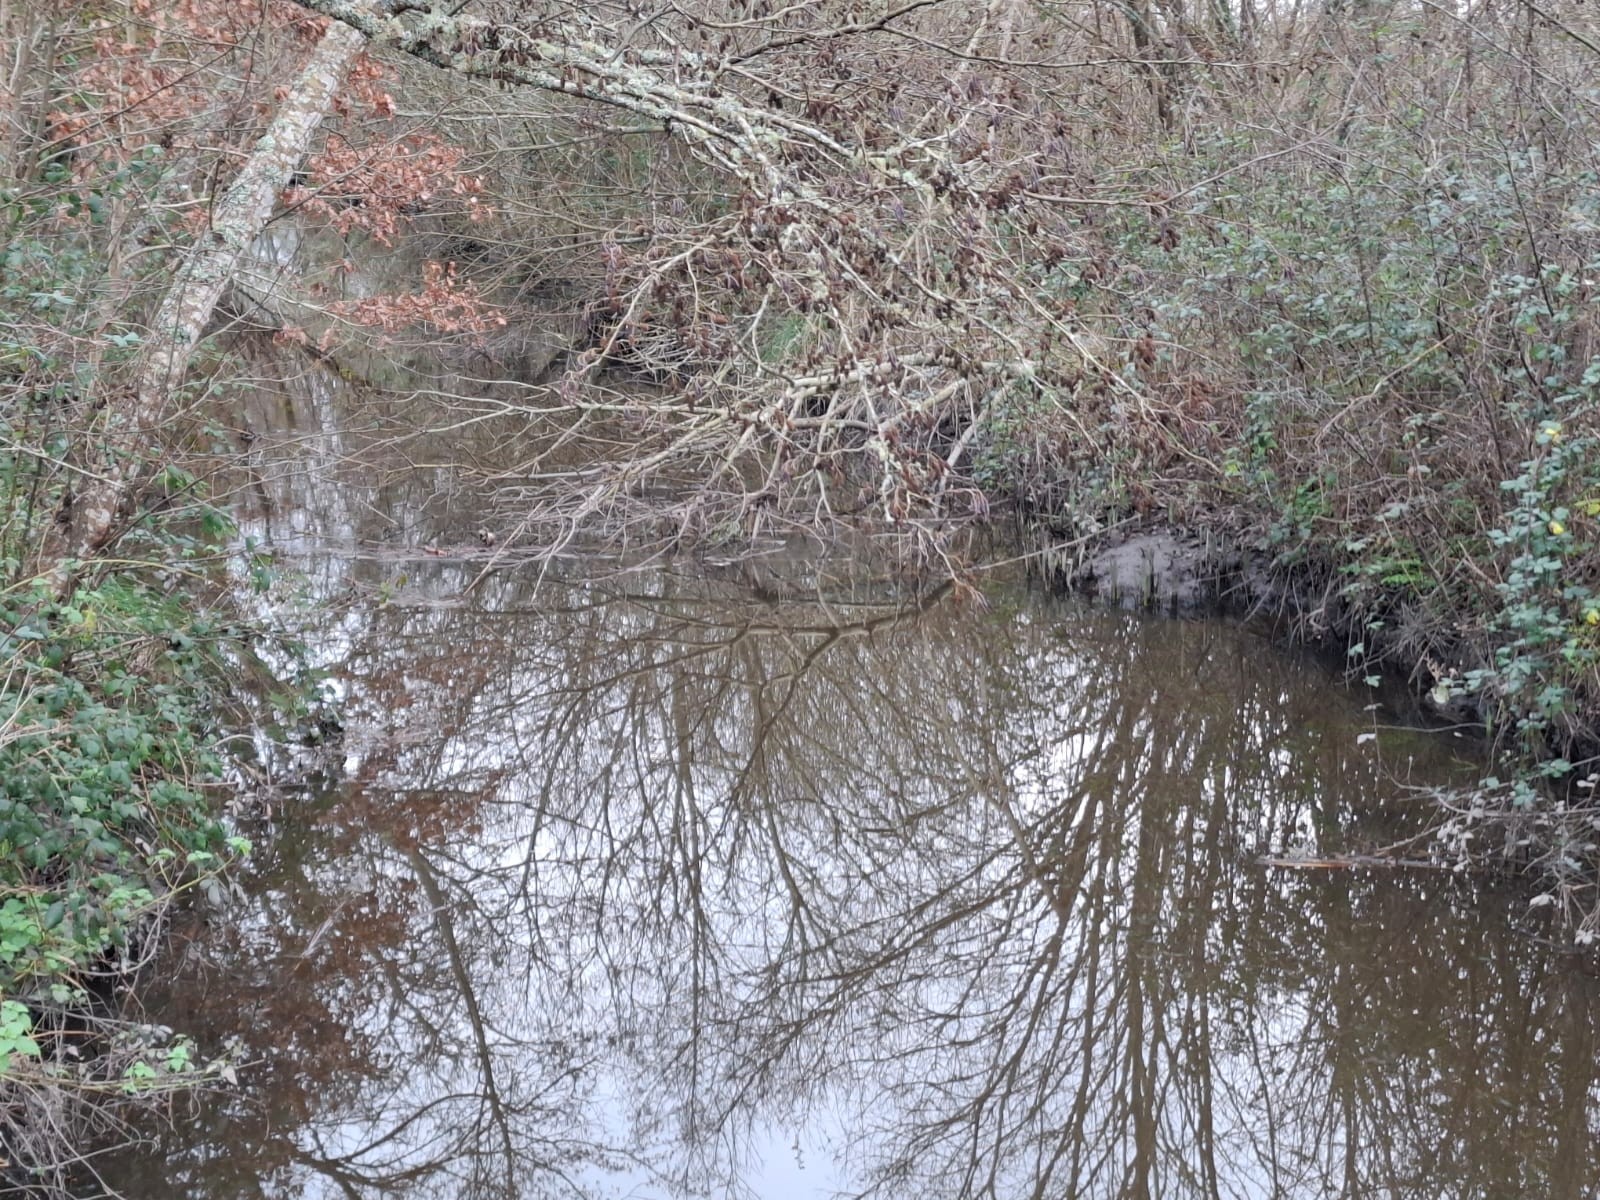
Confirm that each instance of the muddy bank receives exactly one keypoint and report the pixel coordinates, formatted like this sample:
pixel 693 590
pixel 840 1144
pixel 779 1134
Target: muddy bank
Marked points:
pixel 1191 572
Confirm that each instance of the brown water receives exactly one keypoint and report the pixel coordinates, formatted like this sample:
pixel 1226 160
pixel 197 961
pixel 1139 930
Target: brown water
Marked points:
pixel 782 881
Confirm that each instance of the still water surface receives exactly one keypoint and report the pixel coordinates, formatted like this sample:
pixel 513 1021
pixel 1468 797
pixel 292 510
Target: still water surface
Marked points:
pixel 777 881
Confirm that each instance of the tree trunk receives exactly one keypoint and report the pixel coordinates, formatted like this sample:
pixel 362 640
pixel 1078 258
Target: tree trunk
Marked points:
pixel 133 417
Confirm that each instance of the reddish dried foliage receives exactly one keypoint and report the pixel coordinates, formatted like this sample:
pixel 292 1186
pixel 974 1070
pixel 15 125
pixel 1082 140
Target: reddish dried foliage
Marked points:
pixel 374 188
pixel 171 73
pixel 201 78
pixel 444 304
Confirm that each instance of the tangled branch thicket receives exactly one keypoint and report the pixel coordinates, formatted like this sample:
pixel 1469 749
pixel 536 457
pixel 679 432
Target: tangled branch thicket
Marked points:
pixel 843 242
pixel 1322 271
pixel 1321 276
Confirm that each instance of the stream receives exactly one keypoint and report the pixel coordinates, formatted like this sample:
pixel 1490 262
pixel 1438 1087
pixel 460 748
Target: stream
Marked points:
pixel 785 878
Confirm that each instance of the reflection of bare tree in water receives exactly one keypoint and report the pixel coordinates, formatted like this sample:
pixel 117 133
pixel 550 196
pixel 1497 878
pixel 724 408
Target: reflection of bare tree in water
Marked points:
pixel 622 876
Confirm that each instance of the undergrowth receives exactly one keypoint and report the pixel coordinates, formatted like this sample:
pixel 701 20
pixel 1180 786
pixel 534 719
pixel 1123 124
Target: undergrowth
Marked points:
pixel 126 708
pixel 116 706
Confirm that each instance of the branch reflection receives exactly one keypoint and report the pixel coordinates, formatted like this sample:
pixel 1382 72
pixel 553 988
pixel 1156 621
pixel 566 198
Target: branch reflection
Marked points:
pixel 628 886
